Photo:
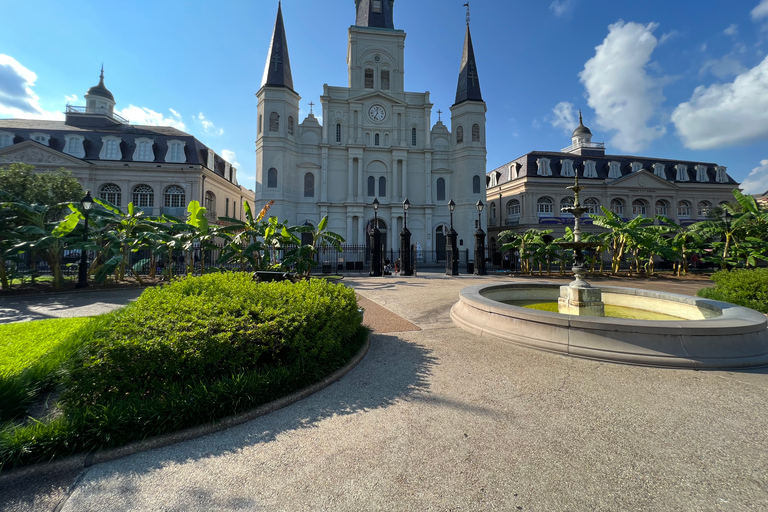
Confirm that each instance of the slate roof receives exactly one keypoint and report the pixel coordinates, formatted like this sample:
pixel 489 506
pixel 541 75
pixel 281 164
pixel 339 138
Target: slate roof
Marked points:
pixel 196 151
pixel 468 88
pixel 528 166
pixel 277 72
pixel 367 18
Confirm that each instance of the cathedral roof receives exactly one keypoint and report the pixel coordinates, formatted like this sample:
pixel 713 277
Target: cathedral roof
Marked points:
pixel 469 81
pixel 101 89
pixel 367 17
pixel 277 73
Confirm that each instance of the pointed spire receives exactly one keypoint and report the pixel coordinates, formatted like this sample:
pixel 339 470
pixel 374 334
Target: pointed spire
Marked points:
pixel 101 89
pixel 581 121
pixel 469 81
pixel 277 72
pixel 375 13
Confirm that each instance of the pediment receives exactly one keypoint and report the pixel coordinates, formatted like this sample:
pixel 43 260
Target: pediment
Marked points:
pixel 441 170
pixel 309 165
pixel 642 180
pixel 379 95
pixel 34 153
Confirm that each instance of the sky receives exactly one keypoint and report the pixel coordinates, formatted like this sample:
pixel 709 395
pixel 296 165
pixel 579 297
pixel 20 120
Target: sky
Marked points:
pixel 683 79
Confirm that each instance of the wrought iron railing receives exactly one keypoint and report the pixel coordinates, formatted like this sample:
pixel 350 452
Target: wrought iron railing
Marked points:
pixel 99 110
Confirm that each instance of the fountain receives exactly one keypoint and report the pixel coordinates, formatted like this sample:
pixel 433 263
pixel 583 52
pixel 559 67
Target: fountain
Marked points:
pixel 705 333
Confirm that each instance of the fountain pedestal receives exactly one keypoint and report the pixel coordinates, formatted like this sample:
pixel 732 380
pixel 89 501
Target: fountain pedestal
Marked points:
pixel 580 301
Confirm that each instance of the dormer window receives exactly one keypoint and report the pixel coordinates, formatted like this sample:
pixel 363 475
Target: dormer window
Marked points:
pixel 701 173
pixel 567 169
pixel 175 152
pixel 682 172
pixel 42 138
pixel 637 166
pixel 376 6
pixel 210 162
pixel 74 146
pixel 614 170
pixel 590 169
pixel 110 148
pixel 227 171
pixel 6 139
pixel 658 170
pixel 720 175
pixel 144 152
pixel 543 167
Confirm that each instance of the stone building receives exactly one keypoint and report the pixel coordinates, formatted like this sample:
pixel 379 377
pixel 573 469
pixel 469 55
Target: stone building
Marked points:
pixel 376 141
pixel 158 168
pixel 529 192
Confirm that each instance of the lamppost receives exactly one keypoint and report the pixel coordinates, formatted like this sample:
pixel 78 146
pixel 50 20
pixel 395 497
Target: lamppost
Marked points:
pixel 82 274
pixel 452 252
pixel 406 267
pixel 479 242
pixel 375 238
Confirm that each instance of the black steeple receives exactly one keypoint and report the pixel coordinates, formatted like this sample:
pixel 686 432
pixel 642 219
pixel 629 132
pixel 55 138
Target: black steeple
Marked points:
pixel 278 70
pixel 469 82
pixel 375 13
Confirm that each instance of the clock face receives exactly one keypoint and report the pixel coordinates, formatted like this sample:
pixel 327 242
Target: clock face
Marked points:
pixel 377 113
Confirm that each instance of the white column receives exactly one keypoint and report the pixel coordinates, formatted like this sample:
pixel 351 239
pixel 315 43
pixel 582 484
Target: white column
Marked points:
pixel 394 195
pixel 349 228
pixel 324 177
pixel 360 195
pixel 404 188
pixel 351 179
pixel 325 122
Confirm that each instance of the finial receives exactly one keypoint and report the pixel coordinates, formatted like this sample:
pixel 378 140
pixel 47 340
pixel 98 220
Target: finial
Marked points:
pixel 467 6
pixel 580 120
pixel 102 72
pixel 439 113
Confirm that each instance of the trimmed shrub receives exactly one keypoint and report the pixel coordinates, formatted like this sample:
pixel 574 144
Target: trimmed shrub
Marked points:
pixel 743 287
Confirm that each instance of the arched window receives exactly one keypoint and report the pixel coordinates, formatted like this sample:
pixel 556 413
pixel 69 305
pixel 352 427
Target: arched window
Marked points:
pixel 459 135
pixel 290 125
pixel 309 185
pixel 385 79
pixel 683 210
pixel 592 205
pixel 440 189
pixel 566 202
pixel 338 132
pixel 143 196
pixel 382 187
pixel 513 208
pixel 274 122
pixel 703 208
pixel 414 139
pixel 371 186
pixel 174 197
pixel 545 207
pixel 376 139
pixel 475 132
pixel 110 193
pixel 369 78
pixel 617 206
pixel 493 211
pixel 639 207
pixel 272 178
pixel 307 238
pixel 662 208
pixel 476 184
pixel 210 201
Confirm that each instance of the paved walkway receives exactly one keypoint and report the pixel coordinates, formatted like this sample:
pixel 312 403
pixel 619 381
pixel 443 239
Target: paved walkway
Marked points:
pixel 439 419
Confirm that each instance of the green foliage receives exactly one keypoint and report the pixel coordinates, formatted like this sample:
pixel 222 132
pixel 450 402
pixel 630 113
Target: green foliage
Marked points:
pixel 21 183
pixel 743 287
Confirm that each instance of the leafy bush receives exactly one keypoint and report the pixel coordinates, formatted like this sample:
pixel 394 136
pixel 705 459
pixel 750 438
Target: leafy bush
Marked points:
pixel 744 287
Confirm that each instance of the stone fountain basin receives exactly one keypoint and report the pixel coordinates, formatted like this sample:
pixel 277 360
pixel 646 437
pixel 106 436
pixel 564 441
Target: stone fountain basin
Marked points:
pixel 713 334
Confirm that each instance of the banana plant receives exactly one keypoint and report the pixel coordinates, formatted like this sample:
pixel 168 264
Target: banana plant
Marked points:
pixel 303 255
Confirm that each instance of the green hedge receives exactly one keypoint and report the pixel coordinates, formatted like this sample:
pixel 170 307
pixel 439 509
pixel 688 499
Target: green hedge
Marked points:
pixel 743 287
pixel 192 352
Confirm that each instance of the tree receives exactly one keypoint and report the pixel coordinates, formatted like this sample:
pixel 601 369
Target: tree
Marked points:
pixel 623 235
pixel 22 183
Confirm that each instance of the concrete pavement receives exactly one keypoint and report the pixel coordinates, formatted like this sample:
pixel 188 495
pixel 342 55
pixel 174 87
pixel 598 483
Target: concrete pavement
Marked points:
pixel 438 419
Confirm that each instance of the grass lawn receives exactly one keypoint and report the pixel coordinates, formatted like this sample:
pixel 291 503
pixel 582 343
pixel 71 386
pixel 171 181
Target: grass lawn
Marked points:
pixel 23 344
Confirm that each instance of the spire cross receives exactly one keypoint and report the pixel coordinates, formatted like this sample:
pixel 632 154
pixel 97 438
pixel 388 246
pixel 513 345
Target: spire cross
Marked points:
pixel 439 113
pixel 467 6
pixel 276 59
pixel 472 76
pixel 311 107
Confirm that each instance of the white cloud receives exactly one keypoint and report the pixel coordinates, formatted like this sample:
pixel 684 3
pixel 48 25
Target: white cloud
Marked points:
pixel 728 114
pixel 564 116
pixel 71 100
pixel 17 99
pixel 723 67
pixel 760 11
pixel 208 125
pixel 703 47
pixel 230 157
pixel 669 35
pixel 175 114
pixel 732 30
pixel 623 95
pixel 148 117
pixel 757 181
pixel 561 7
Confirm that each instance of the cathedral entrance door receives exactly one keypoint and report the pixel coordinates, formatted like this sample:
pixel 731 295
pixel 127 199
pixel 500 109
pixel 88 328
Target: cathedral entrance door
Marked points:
pixel 440 243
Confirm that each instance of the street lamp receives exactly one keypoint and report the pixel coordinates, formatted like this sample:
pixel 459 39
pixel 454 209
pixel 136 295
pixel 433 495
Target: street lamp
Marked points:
pixel 406 267
pixel 375 237
pixel 479 241
pixel 82 275
pixel 452 256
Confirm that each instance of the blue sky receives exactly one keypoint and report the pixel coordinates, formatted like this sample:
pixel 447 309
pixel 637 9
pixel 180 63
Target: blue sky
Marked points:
pixel 686 79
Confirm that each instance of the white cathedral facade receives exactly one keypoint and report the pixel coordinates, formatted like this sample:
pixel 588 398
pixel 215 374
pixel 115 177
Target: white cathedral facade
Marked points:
pixel 376 142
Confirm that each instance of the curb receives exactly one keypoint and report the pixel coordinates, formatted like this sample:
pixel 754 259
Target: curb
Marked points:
pixel 85 460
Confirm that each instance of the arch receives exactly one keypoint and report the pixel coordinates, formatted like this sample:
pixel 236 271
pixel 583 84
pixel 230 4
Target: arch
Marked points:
pixel 703 208
pixel 111 193
pixel 368 78
pixel 683 210
pixel 475 132
pixel 384 79
pixel 439 236
pixel 338 133
pixel 545 206
pixel 513 208
pixel 566 202
pixel 371 186
pixel 210 201
pixel 593 205
pixel 382 187
pixel 307 238
pixel 460 135
pixel 639 207
pixel 143 196
pixel 662 207
pixel 475 184
pixel 617 206
pixel 174 197
pixel 440 189
pixel 290 125
pixel 376 139
pixel 272 178
pixel 414 136
pixel 309 185
pixel 274 122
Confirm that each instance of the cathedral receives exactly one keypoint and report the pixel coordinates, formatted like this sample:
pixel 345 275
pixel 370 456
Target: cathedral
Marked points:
pixel 376 141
